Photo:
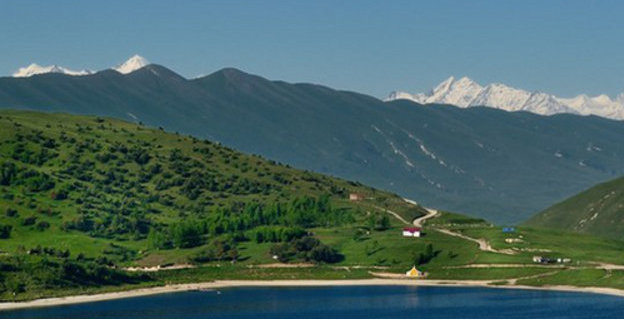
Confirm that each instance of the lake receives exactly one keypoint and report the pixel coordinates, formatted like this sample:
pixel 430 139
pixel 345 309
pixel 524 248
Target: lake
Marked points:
pixel 343 302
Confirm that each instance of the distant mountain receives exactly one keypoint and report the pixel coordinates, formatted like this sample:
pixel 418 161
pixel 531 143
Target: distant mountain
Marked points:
pixel 132 64
pixel 467 93
pixel 35 69
pixel 598 211
pixel 502 166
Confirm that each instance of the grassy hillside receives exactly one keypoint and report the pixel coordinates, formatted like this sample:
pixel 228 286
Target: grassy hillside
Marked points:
pixel 497 165
pixel 84 193
pixel 84 200
pixel 598 211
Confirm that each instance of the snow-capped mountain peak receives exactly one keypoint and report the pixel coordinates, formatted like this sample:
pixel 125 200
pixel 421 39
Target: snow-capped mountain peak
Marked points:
pixel 35 68
pixel 468 93
pixel 132 64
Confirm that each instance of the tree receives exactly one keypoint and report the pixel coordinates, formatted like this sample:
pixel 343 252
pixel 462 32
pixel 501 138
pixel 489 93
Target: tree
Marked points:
pixel 426 256
pixel 156 240
pixel 186 235
pixel 5 231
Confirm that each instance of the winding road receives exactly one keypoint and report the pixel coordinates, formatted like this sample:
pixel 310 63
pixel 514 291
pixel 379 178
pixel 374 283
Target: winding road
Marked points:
pixel 483 244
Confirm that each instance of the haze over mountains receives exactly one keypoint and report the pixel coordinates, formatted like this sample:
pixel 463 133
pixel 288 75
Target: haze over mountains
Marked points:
pixel 499 165
pixel 465 92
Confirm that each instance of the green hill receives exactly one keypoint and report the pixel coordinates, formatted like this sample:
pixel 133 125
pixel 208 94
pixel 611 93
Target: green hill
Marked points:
pixel 598 211
pixel 82 196
pixel 84 201
pixel 498 165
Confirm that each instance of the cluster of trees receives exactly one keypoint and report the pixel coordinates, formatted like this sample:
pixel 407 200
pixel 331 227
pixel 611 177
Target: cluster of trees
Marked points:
pixel 50 251
pixel 275 234
pixel 111 225
pixel 275 223
pixel 33 181
pixel 307 249
pixel 379 222
pixel 426 256
pixel 304 212
pixel 220 249
pixel 23 273
pixel 35 155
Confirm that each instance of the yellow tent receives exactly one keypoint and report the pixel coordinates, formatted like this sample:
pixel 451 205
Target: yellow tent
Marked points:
pixel 414 272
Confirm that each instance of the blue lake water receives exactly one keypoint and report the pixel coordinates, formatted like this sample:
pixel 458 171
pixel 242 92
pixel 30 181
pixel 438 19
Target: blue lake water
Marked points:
pixel 344 302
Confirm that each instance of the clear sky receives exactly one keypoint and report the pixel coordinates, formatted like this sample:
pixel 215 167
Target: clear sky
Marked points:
pixel 561 47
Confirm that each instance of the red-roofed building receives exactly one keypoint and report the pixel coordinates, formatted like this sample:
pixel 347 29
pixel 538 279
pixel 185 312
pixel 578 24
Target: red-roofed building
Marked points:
pixel 411 232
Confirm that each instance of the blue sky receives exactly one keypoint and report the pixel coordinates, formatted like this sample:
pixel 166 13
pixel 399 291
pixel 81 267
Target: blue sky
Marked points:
pixel 561 47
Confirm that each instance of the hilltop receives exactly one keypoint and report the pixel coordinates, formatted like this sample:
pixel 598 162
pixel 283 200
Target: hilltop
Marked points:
pixel 598 211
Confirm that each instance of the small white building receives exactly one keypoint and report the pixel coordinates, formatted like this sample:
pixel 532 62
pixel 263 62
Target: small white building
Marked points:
pixel 411 232
pixel 356 197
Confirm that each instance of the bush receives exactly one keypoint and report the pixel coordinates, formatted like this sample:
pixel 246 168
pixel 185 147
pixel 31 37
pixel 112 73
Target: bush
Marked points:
pixel 5 231
pixel 30 220
pixel 186 235
pixel 10 212
pixel 42 225
pixel 308 249
pixel 218 250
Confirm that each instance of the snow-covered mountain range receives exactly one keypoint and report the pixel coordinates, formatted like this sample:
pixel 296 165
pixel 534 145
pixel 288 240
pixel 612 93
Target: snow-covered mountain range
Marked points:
pixel 38 69
pixel 132 64
pixel 465 92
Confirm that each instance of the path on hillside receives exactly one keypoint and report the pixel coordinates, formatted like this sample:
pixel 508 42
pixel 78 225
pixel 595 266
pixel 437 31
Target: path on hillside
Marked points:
pixel 395 214
pixel 418 222
pixel 483 244
pixel 551 266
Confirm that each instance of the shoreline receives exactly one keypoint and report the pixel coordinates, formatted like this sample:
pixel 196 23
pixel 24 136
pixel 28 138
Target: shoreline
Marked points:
pixel 68 300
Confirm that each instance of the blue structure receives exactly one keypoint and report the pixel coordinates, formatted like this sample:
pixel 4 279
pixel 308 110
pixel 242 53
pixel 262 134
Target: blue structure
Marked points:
pixel 509 229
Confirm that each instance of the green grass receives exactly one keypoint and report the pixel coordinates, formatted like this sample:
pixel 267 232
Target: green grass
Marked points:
pixel 597 211
pixel 486 274
pixel 581 278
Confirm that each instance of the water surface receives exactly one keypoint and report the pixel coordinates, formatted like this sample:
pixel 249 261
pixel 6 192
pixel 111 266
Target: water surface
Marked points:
pixel 343 302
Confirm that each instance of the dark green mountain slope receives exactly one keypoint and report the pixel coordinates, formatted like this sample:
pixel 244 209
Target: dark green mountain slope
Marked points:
pixel 489 163
pixel 597 211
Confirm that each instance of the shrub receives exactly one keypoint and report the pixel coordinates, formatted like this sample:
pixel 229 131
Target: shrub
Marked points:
pixel 5 231
pixel 30 220
pixel 42 225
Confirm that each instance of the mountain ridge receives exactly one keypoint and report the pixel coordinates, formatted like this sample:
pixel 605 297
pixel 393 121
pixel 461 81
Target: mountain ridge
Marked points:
pixel 465 92
pixel 490 163
pixel 134 63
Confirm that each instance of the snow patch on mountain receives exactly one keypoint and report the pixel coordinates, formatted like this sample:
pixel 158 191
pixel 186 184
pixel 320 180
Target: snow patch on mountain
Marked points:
pixel 35 69
pixel 132 64
pixel 465 92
